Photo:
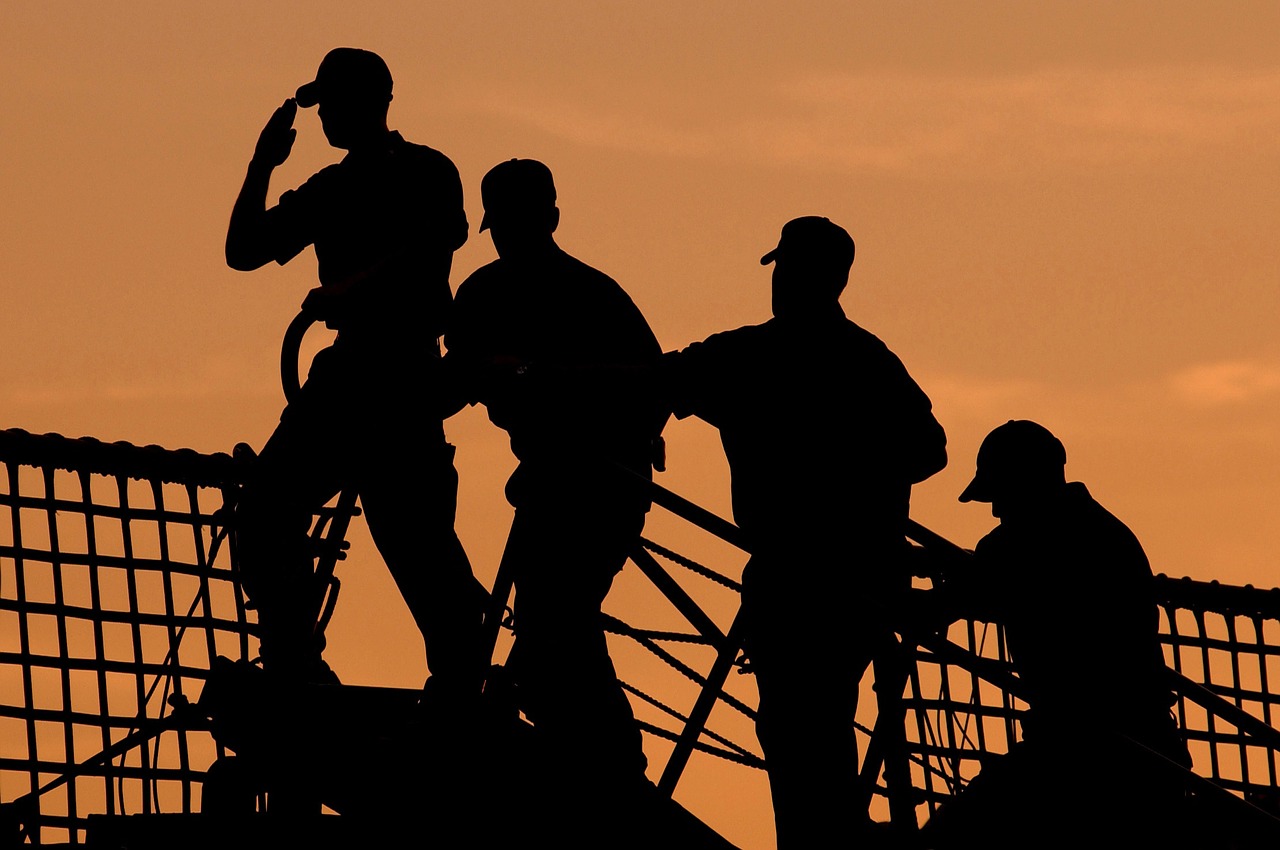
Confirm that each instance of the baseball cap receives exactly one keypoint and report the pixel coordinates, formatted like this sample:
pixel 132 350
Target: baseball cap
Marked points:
pixel 1018 450
pixel 516 187
pixel 348 72
pixel 817 238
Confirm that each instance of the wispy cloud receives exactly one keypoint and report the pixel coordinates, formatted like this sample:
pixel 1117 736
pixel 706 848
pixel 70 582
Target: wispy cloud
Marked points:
pixel 67 394
pixel 985 400
pixel 1065 113
pixel 210 379
pixel 1230 382
pixel 877 122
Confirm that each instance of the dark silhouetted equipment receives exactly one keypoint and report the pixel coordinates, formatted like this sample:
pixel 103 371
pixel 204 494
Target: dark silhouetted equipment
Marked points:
pixel 133 714
pixel 116 603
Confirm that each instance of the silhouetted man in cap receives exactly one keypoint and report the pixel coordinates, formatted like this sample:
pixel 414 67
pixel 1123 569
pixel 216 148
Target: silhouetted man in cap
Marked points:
pixel 522 326
pixel 1074 591
pixel 385 222
pixel 825 432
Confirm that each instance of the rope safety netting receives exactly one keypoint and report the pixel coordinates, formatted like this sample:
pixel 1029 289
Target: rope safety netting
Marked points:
pixel 118 589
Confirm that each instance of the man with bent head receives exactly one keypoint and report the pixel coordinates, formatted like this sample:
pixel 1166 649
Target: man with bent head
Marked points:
pixel 1098 693
pixel 523 326
pixel 385 222
pixel 825 432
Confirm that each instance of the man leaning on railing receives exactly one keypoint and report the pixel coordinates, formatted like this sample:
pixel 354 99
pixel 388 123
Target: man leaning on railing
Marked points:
pixel 825 433
pixel 1074 591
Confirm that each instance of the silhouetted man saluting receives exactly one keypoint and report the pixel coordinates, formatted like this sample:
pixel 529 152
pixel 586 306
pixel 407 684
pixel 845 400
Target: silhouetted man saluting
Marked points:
pixel 385 222
pixel 521 324
pixel 825 432
pixel 1074 591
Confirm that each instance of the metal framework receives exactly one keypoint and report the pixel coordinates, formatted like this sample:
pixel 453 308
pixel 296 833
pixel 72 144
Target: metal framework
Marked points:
pixel 118 589
pixel 114 598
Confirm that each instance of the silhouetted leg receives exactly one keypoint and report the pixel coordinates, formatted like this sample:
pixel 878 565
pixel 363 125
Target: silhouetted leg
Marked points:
pixel 297 471
pixel 891 673
pixel 300 468
pixel 812 625
pixel 1153 791
pixel 564 566
pixel 808 682
pixel 409 492
pixel 563 561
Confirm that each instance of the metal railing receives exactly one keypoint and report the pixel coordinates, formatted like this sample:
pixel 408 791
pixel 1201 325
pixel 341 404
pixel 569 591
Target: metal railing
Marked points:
pixel 117 592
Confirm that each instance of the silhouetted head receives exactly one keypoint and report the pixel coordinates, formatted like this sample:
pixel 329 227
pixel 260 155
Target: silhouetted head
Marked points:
pixel 353 89
pixel 1020 465
pixel 520 211
pixel 811 266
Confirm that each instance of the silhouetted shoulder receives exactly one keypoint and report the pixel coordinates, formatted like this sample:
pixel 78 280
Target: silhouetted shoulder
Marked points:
pixel 299 216
pixel 745 338
pixel 1106 521
pixel 373 202
pixel 804 407
pixel 433 190
pixel 870 346
pixel 428 155
pixel 825 359
pixel 1121 561
pixel 479 280
pixel 1078 524
pixel 590 282
pixel 566 274
pixel 1064 554
pixel 555 310
pixel 476 295
pixel 612 329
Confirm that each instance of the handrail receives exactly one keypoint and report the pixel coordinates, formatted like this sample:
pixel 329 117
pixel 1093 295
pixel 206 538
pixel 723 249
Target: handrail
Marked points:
pixel 1211 702
pixel 325 593
pixel 986 669
pixel 992 672
pixel 119 459
pixel 228 470
pixel 1258 816
pixel 290 348
pixel 25 808
pixel 685 509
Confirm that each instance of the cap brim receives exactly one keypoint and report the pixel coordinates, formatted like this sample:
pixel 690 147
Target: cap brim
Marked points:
pixel 308 95
pixel 769 257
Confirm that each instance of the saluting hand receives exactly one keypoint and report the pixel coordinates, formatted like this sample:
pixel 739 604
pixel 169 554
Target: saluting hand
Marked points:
pixel 276 140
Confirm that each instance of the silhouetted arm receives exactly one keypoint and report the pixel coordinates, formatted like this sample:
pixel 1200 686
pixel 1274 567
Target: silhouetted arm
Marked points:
pixel 913 440
pixel 931 441
pixel 250 244
pixel 972 587
pixel 470 367
pixel 450 226
pixel 454 389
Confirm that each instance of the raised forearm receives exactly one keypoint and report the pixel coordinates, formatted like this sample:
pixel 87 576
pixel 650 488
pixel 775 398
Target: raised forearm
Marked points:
pixel 247 247
pixel 248 240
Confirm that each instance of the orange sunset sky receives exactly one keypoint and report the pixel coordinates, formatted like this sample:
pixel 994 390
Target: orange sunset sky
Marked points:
pixel 1064 211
